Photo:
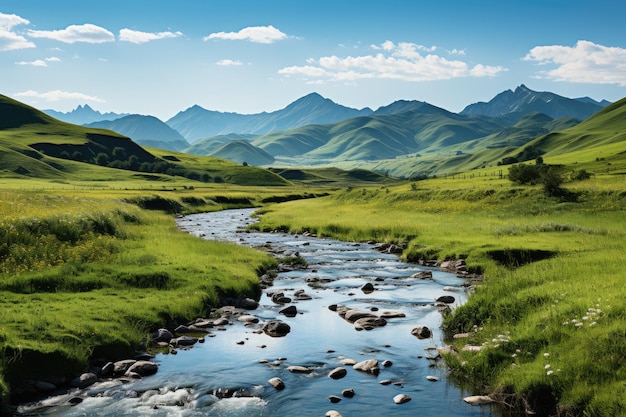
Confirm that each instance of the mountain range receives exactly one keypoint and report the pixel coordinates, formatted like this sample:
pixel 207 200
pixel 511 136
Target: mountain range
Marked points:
pixel 196 123
pixel 524 100
pixel 314 130
pixel 146 131
pixel 83 114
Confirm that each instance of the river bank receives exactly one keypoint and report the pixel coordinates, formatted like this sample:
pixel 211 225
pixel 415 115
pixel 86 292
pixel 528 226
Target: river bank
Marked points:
pixel 553 282
pixel 229 373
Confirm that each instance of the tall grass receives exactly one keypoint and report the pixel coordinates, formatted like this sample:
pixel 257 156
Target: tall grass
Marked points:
pixel 550 314
pixel 84 277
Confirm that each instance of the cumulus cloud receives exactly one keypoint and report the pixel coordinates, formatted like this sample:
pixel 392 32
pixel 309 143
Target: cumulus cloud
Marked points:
pixel 586 62
pixel 404 61
pixel 58 95
pixel 228 62
pixel 135 36
pixel 87 33
pixel 9 40
pixel 257 34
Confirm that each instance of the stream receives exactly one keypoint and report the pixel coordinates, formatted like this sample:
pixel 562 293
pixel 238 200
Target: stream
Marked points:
pixel 228 374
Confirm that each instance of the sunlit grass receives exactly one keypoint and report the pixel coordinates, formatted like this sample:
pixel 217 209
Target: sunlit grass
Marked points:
pixel 91 275
pixel 550 313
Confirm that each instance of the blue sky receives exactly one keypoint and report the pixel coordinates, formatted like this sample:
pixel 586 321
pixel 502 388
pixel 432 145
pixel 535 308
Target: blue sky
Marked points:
pixel 160 57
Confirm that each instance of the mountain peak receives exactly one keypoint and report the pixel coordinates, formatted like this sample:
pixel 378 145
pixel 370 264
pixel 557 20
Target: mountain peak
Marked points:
pixel 524 101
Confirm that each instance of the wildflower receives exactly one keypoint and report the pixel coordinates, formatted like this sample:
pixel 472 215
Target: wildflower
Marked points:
pixel 545 355
pixel 547 366
pixel 579 324
pixel 550 372
pixel 593 323
pixel 514 355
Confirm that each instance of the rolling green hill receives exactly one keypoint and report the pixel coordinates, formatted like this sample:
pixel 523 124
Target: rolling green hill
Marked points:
pixel 241 151
pixel 35 145
pixel 606 128
pixel 207 145
pixel 424 142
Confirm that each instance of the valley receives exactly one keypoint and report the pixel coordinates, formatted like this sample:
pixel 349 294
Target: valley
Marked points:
pixel 91 259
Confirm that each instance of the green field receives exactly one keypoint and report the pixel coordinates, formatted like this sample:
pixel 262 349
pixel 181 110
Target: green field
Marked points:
pixel 91 259
pixel 550 314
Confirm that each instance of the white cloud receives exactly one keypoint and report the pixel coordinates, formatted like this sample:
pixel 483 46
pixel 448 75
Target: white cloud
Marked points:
pixel 58 95
pixel 586 62
pixel 258 34
pixel 457 51
pixel 39 62
pixel 403 61
pixel 36 63
pixel 8 21
pixel 135 36
pixel 9 40
pixel 87 33
pixel 228 62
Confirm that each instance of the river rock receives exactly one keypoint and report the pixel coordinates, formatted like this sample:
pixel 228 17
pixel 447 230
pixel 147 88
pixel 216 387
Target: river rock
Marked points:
pixel 478 399
pixel 248 304
pixel 347 361
pixel 143 368
pixel 107 369
pixel 421 332
pixel 290 311
pixel 247 318
pixel 297 369
pixel 277 383
pixel 367 288
pixel 338 373
pixel 369 366
pixel 369 323
pixel 222 321
pixel 447 299
pixel 432 378
pixel 184 341
pixel 334 399
pixel 354 315
pixel 120 367
pixel 161 335
pixel 401 399
pixel 85 380
pixel 423 275
pixel 276 328
pixel 333 413
pixel 348 392
pixel 387 363
pixel 390 314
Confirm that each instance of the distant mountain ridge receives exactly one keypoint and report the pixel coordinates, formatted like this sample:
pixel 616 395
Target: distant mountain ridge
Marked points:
pixel 83 114
pixel 146 131
pixel 196 122
pixel 523 100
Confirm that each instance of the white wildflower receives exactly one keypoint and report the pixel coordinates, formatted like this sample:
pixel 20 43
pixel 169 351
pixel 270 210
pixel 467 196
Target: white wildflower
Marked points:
pixel 547 366
pixel 550 372
pixel 545 355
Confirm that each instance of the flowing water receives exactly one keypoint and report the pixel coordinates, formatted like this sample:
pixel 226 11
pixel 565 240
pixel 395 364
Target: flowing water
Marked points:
pixel 228 374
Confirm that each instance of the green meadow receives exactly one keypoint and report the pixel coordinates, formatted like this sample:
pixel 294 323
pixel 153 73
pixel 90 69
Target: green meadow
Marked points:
pixel 549 316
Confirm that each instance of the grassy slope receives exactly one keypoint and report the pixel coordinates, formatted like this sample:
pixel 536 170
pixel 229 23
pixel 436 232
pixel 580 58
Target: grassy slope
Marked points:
pixel 526 313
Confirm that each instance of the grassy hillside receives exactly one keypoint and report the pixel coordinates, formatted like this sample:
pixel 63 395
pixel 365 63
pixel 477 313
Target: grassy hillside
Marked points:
pixel 241 151
pixel 548 319
pixel 602 130
pixel 34 145
pixel 207 145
